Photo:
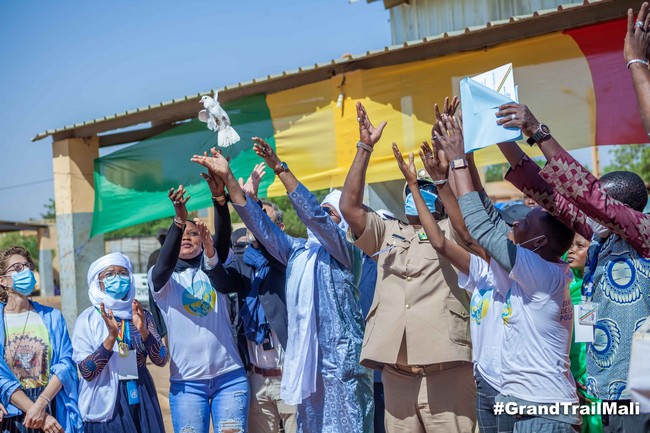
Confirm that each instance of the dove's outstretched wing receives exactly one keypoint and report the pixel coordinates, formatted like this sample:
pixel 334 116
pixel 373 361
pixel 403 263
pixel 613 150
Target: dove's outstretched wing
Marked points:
pixel 204 116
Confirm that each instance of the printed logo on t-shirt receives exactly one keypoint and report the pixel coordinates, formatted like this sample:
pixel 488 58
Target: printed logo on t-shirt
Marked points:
pixel 200 298
pixel 480 304
pixel 506 311
pixel 27 357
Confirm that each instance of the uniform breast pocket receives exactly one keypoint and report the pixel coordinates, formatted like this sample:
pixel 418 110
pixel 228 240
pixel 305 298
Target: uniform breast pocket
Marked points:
pixel 457 322
pixel 394 254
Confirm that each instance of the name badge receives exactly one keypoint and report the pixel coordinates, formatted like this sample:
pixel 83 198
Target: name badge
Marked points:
pixel 581 333
pixel 588 313
pixel 127 366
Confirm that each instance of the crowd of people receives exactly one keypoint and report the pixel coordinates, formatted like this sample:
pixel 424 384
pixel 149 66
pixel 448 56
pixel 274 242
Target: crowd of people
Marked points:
pixel 466 307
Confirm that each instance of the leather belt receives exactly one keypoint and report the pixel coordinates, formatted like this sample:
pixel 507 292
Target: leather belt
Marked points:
pixel 268 372
pixel 425 370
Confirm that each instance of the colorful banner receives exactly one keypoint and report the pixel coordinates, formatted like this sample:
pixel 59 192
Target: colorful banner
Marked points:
pixel 575 81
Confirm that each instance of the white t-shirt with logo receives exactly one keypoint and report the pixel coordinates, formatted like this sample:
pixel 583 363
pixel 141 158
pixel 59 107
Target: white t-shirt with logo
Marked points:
pixel 201 344
pixel 537 336
pixel 488 313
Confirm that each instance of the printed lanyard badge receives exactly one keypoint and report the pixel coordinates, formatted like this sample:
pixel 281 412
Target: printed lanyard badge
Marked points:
pixel 587 313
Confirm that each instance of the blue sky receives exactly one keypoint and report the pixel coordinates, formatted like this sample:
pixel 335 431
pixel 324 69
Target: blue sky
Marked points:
pixel 69 61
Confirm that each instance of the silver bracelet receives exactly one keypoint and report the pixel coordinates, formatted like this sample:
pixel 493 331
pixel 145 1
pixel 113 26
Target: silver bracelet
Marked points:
pixel 439 182
pixel 643 61
pixel 178 221
pixel 46 399
pixel 364 146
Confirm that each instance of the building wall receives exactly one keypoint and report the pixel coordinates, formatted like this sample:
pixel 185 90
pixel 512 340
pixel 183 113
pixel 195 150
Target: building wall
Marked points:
pixel 418 19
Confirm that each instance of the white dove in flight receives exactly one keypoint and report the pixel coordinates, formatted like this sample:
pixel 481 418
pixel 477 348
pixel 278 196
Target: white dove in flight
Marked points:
pixel 218 121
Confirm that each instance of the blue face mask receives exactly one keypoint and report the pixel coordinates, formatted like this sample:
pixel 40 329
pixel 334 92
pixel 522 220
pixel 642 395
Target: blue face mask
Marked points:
pixel 429 198
pixel 117 286
pixel 24 282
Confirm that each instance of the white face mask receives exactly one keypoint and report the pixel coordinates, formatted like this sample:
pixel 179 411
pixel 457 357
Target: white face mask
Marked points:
pixel 532 240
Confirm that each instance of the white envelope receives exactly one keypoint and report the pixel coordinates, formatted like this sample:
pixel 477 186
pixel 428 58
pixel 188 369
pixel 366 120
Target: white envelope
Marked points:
pixel 480 98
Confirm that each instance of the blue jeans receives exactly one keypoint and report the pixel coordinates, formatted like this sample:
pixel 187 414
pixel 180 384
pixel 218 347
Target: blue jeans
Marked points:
pixel 225 397
pixel 488 422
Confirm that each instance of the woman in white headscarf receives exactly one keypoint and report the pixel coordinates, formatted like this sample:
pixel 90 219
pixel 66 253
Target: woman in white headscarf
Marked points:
pixel 321 371
pixel 111 341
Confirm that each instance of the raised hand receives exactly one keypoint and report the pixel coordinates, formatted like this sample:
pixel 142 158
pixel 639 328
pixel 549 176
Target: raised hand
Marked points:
pixel 252 185
pixel 435 162
pixel 408 170
pixel 637 39
pixel 178 200
pixel 517 116
pixel 139 319
pixel 217 164
pixel 451 138
pixel 368 134
pixel 215 183
pixel 109 320
pixel 206 237
pixel 266 152
pixel 449 109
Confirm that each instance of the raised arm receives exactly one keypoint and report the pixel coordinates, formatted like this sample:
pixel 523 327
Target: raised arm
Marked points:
pixel 636 56
pixel 480 227
pixel 164 267
pixel 286 176
pixel 330 236
pixel 328 233
pixel 577 185
pixel 352 208
pixel 222 224
pixel 278 243
pixel 456 255
pixel 436 164
pixel 524 175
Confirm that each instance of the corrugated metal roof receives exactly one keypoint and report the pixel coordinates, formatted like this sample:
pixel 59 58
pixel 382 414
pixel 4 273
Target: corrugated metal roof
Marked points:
pixel 548 20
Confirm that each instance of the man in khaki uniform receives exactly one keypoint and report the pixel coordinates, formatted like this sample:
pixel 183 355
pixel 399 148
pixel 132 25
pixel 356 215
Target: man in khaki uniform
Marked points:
pixel 417 330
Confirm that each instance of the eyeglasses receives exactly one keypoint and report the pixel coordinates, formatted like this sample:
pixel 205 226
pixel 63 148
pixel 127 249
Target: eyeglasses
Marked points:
pixel 112 274
pixel 19 267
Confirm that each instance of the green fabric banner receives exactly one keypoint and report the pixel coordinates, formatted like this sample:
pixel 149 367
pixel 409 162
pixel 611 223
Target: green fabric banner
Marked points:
pixel 131 184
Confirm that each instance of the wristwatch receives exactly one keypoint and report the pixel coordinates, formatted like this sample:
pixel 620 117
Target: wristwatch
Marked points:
pixel 543 133
pixel 455 164
pixel 283 167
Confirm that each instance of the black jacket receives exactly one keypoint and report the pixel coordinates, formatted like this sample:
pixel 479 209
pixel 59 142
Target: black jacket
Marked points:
pixel 237 277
